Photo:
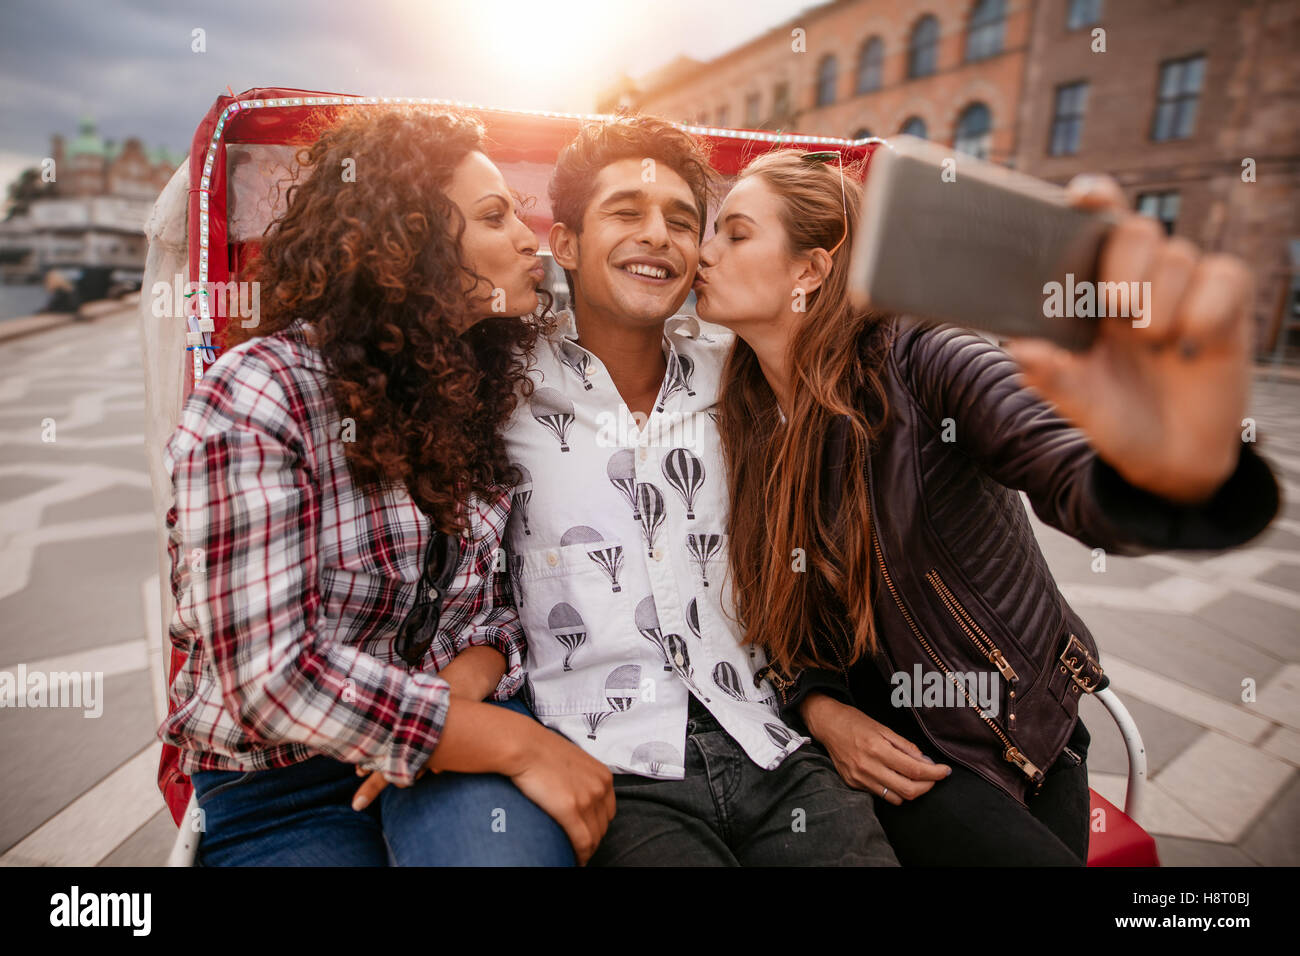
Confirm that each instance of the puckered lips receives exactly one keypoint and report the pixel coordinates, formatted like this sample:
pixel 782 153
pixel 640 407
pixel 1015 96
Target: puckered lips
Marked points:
pixel 650 269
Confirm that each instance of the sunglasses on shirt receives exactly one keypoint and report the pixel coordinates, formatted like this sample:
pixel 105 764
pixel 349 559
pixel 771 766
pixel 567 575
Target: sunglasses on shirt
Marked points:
pixel 421 624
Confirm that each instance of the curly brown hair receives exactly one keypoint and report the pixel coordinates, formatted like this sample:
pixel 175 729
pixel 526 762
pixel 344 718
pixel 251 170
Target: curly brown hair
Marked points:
pixel 375 266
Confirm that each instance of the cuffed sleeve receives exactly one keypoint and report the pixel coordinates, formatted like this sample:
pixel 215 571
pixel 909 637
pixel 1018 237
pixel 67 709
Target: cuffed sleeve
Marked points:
pixel 496 622
pixel 813 681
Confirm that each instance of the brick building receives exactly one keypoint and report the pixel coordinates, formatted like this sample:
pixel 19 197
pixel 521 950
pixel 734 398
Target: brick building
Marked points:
pixel 92 166
pixel 93 211
pixel 1169 96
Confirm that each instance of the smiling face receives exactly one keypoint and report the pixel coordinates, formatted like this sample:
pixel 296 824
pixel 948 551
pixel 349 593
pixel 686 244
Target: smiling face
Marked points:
pixel 496 243
pixel 747 272
pixel 635 258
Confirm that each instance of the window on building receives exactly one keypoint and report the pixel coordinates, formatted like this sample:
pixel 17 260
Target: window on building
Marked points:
pixel 1067 120
pixel 722 116
pixel 861 133
pixel 751 110
pixel 1082 13
pixel 827 72
pixel 1178 97
pixel 1162 206
pixel 915 126
pixel 923 47
pixel 974 131
pixel 984 35
pixel 781 101
pixel 871 64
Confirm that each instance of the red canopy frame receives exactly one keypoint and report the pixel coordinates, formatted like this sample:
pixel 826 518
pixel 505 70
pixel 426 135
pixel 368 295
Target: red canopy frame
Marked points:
pixel 277 116
pixel 289 117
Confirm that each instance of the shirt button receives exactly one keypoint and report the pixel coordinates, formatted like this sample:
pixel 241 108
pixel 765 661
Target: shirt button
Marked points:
pixel 643 454
pixel 552 558
pixel 681 661
pixel 433 594
pixel 659 554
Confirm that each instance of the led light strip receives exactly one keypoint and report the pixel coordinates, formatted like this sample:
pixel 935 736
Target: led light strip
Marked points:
pixel 200 341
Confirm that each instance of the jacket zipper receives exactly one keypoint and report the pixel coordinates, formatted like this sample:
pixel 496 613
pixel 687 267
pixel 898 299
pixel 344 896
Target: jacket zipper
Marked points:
pixel 980 639
pixel 1012 753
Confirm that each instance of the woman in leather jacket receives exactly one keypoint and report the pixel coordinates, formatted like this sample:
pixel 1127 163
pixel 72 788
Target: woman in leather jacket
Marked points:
pixel 879 549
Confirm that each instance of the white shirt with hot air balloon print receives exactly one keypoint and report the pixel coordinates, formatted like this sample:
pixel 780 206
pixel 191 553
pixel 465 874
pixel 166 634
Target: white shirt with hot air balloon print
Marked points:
pixel 618 555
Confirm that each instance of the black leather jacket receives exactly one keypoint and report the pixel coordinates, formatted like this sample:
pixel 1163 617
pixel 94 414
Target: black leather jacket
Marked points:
pixel 960 583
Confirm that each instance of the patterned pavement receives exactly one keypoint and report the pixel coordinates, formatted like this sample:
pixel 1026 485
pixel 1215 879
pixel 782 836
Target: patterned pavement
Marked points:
pixel 1181 636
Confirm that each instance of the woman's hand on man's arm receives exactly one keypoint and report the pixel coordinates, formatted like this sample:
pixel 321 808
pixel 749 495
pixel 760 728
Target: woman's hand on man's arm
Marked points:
pixel 867 754
pixel 574 788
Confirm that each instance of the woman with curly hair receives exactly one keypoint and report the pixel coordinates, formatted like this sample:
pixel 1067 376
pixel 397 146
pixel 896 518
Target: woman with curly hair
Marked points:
pixel 340 496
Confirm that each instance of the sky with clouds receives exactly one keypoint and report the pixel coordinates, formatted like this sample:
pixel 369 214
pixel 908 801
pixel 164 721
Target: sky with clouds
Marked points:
pixel 131 65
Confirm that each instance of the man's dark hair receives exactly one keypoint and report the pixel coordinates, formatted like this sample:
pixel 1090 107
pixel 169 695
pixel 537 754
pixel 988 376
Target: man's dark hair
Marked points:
pixel 626 136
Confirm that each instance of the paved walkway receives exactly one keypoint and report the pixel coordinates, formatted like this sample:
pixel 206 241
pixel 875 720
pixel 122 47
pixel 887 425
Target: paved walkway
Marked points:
pixel 1204 650
pixel 78 584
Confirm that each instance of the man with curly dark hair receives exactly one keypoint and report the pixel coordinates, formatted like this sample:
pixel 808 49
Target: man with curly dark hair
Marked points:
pixel 341 491
pixel 618 542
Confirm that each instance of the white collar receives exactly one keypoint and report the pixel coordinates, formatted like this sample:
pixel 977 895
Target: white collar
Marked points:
pixel 685 326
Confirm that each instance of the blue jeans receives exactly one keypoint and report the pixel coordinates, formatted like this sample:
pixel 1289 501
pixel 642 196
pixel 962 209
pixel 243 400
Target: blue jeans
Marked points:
pixel 302 816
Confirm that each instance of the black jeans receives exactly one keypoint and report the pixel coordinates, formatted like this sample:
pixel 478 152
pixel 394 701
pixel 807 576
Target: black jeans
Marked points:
pixel 728 811
pixel 967 821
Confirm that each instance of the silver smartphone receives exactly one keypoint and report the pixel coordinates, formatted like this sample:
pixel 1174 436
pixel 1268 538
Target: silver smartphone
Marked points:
pixel 945 237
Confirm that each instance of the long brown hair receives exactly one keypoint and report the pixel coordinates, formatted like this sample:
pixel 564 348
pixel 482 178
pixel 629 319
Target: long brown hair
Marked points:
pixel 775 472
pixel 373 262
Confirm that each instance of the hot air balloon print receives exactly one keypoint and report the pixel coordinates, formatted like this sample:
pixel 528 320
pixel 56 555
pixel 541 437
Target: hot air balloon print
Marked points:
pixel 516 564
pixel 530 693
pixel 672 383
pixel 693 618
pixel 675 646
pixel 523 494
pixel 576 358
pixel 650 501
pixel 702 548
pixel 678 377
pixel 778 735
pixel 725 676
pixel 608 559
pixel 594 720
pixel 622 475
pixel 553 412
pixel 623 687
pixel 655 756
pixel 647 622
pixel 685 472
pixel 685 369
pixel 568 628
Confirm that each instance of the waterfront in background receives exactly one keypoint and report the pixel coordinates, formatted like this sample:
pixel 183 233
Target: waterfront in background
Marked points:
pixel 20 300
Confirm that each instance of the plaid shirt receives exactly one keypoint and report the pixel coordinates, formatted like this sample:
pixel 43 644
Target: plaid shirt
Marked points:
pixel 291 584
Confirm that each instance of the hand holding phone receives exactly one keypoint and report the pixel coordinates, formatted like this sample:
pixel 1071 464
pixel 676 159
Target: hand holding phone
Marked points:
pixel 945 237
pixel 1161 395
